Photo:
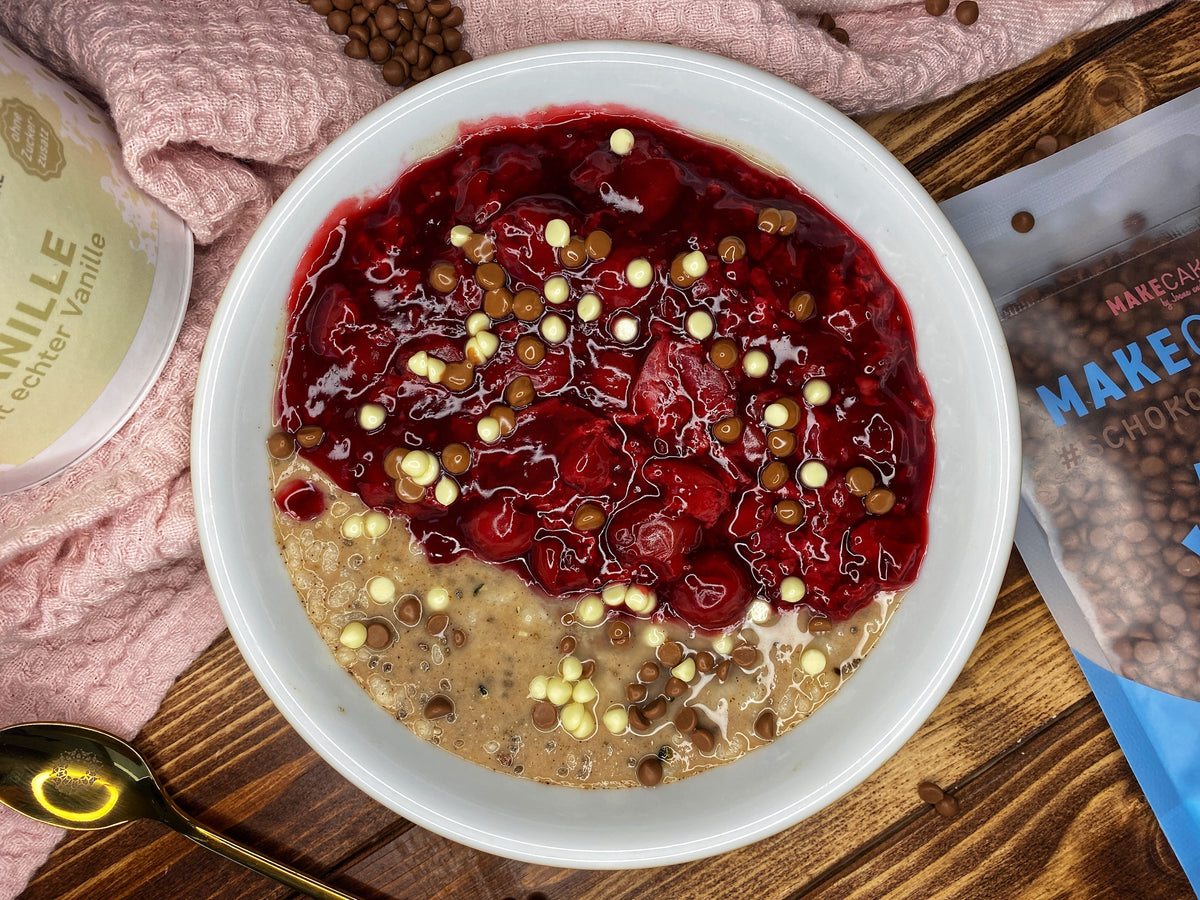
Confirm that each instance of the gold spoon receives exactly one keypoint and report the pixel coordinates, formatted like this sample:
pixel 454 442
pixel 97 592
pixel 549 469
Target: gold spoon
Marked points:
pixel 81 778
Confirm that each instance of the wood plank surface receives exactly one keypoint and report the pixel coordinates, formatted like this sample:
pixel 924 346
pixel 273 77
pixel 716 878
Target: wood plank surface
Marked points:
pixel 1048 805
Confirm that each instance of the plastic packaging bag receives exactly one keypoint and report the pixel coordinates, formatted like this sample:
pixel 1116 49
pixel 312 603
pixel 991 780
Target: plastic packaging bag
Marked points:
pixel 1092 257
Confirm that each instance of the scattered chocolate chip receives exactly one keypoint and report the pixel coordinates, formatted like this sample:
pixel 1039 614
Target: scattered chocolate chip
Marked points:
pixel 675 687
pixel 947 807
pixel 527 306
pixel 309 436
pixel 766 726
pixel 598 244
pixel 686 720
pixel 860 480
pixel 704 740
pixel 648 672
pixel 437 624
pixel 930 792
pixel 491 275
pixel 1022 222
pixel 281 445
pixel 589 517
pixel 880 501
pixel 670 654
pixel 705 662
pixel 443 277
pixel 458 376
pixel 936 7
pixel 802 305
pixel 769 220
pixel 731 249
pixel 774 476
pixel 655 709
pixel 498 303
pixel 820 625
pixel 637 721
pixel 544 715
pixel 650 771
pixel 479 248
pixel 520 392
pixel 379 635
pixel 635 693
pixel 745 656
pixel 967 12
pixel 567 644
pixel 789 512
pixel 408 611
pixel 728 430
pixel 574 254
pixel 408 490
pixel 724 353
pixel 618 633
pixel 458 638
pixel 456 458
pixel 438 707
pixel 781 442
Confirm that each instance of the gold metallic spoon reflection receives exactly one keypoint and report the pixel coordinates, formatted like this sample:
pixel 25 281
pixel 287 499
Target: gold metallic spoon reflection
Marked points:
pixel 81 778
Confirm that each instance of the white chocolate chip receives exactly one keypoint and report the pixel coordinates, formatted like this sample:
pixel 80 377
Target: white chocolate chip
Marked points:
pixel 686 670
pixel 616 719
pixel 556 290
pixel 418 363
pixel 376 524
pixel 639 272
pixel 655 636
pixel 792 589
pixel 813 474
pixel 759 612
pixel 488 343
pixel 723 644
pixel 460 234
pixel 699 324
pixel 584 692
pixel 590 610
pixel 353 635
pixel 570 668
pixel 614 594
pixel 558 233
pixel 488 430
pixel 371 416
pixel 537 687
pixel 625 329
pixel 571 716
pixel 421 467
pixel 640 600
pixel 436 369
pixel 812 661
pixel 756 363
pixel 353 527
pixel 589 308
pixel 695 264
pixel 776 415
pixel 553 328
pixel 621 141
pixel 437 599
pixel 477 322
pixel 817 392
pixel 558 690
pixel 586 727
pixel 381 589
pixel 446 490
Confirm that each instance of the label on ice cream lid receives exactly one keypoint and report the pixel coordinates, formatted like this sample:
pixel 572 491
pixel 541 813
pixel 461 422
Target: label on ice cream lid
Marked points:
pixel 94 277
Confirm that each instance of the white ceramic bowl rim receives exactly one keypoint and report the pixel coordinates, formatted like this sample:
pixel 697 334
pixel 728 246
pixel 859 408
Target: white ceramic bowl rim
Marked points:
pixel 975 486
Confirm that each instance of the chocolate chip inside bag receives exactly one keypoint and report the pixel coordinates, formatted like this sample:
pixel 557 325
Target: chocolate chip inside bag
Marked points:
pixel 1104 358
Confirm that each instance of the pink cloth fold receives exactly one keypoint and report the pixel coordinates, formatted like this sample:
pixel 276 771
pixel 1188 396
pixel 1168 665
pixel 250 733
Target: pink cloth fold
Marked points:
pixel 103 595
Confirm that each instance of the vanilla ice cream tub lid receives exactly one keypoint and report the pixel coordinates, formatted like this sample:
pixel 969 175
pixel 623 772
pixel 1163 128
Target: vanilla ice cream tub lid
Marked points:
pixel 94 277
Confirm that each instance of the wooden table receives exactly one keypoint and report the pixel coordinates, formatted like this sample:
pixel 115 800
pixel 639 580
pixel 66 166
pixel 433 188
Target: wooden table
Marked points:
pixel 1049 806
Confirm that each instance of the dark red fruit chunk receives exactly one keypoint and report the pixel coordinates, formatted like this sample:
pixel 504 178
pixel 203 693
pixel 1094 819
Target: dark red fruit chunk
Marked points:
pixel 497 530
pixel 300 499
pixel 713 594
pixel 660 539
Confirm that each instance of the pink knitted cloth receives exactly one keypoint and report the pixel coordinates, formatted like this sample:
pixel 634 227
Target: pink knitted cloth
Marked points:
pixel 103 595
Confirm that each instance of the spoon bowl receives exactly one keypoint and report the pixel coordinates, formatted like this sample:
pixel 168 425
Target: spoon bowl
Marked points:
pixel 82 778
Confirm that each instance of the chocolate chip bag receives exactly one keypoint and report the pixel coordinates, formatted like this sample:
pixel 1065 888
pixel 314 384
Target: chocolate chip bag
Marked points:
pixel 1092 257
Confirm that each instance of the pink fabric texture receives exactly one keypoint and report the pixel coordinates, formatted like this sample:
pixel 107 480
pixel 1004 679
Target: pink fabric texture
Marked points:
pixel 104 598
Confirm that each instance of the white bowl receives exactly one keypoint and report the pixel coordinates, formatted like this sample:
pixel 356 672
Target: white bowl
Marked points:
pixel 972 509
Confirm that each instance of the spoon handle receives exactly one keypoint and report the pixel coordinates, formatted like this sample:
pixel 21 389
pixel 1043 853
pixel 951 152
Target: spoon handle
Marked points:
pixel 251 859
